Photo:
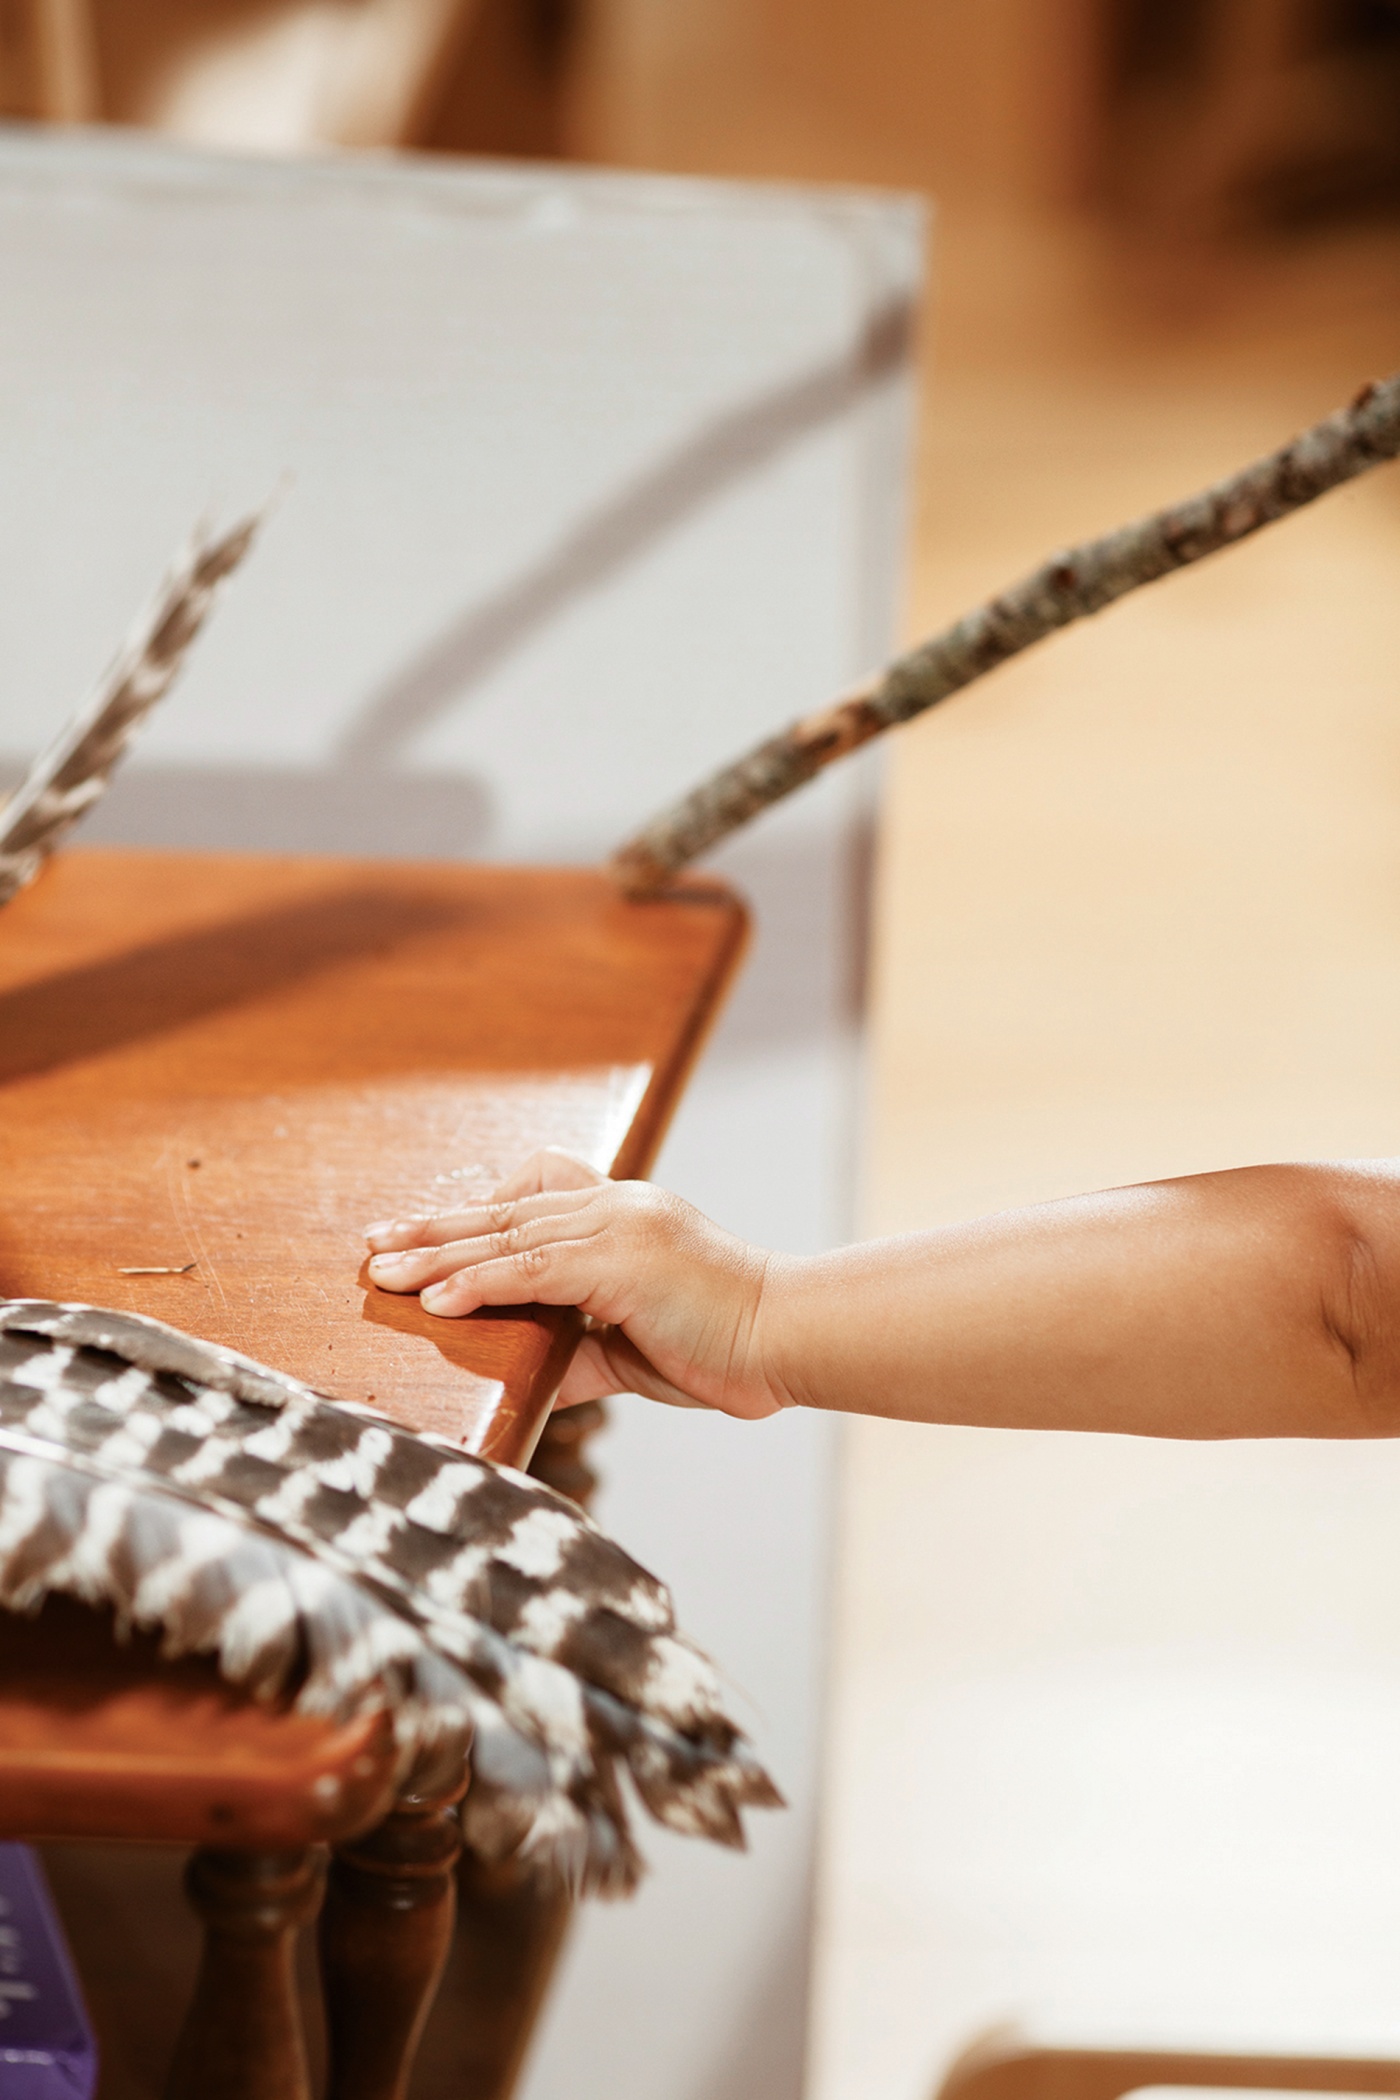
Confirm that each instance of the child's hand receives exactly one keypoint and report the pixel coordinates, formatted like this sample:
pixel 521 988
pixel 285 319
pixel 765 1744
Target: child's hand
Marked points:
pixel 679 1305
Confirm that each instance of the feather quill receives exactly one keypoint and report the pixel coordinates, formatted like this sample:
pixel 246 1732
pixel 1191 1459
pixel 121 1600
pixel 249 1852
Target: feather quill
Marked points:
pixel 325 1553
pixel 67 778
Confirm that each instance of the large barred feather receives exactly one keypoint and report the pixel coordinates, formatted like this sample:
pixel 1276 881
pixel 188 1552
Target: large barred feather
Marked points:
pixel 323 1552
pixel 67 778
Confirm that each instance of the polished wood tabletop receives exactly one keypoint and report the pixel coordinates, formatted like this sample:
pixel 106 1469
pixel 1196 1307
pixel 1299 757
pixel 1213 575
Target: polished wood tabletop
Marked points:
pixel 236 1061
pixel 224 1066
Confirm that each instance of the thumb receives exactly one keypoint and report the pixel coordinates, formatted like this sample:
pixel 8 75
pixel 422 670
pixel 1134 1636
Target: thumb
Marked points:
pixel 605 1363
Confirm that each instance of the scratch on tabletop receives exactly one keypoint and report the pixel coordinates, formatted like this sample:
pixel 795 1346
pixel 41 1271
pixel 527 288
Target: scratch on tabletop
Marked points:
pixel 183 1270
pixel 180 1202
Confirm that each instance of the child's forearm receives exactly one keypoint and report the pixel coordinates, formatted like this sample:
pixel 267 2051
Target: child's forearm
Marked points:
pixel 1255 1303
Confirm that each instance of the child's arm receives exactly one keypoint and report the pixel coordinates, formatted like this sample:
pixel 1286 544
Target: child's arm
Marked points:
pixel 1264 1302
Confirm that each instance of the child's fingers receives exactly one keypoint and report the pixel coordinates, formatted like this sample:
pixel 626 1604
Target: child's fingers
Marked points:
pixel 586 1247
pixel 549 1168
pixel 397 1235
pixel 415 1267
pixel 556 1272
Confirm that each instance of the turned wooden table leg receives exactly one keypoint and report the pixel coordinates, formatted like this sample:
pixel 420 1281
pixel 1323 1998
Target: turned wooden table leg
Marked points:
pixel 385 1932
pixel 509 1936
pixel 561 1455
pixel 510 1929
pixel 242 2038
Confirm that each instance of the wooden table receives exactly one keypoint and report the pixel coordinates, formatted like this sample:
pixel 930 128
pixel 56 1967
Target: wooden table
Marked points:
pixel 235 1061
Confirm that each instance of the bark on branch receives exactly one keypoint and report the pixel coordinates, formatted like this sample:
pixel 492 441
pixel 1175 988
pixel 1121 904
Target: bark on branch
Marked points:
pixel 1067 587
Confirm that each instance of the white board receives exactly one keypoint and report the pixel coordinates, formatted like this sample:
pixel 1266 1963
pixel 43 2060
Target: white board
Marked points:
pixel 589 479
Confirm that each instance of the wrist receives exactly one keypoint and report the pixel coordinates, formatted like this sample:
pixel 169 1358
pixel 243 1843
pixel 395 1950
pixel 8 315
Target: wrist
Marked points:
pixel 790 1347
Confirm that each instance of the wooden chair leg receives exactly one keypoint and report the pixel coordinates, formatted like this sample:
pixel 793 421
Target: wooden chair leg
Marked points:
pixel 242 2038
pixel 561 1455
pixel 509 1936
pixel 385 1932
pixel 510 1930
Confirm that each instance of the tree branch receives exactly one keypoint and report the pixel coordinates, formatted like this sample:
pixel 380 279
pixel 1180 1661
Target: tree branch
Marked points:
pixel 1067 587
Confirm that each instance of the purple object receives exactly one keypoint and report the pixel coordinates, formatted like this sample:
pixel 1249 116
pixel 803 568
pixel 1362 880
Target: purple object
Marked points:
pixel 46 2047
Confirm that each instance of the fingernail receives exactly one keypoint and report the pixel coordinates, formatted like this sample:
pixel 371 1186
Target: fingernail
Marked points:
pixel 436 1294
pixel 387 1261
pixel 380 1225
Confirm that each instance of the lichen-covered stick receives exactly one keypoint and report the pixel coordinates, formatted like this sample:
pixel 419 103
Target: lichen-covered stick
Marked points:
pixel 70 775
pixel 1067 587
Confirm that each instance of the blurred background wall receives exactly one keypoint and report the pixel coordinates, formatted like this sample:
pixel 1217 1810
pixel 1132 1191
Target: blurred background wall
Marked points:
pixel 1199 113
pixel 1115 1727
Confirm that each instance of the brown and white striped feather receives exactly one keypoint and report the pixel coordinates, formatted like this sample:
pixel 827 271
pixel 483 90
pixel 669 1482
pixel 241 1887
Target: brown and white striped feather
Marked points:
pixel 70 775
pixel 321 1550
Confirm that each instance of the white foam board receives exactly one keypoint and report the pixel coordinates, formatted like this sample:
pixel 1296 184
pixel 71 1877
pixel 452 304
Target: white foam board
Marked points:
pixel 587 480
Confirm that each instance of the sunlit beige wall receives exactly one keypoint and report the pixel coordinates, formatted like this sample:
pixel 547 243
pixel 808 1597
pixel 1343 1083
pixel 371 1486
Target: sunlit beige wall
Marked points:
pixel 1140 904
pixel 1115 1726
pixel 972 98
